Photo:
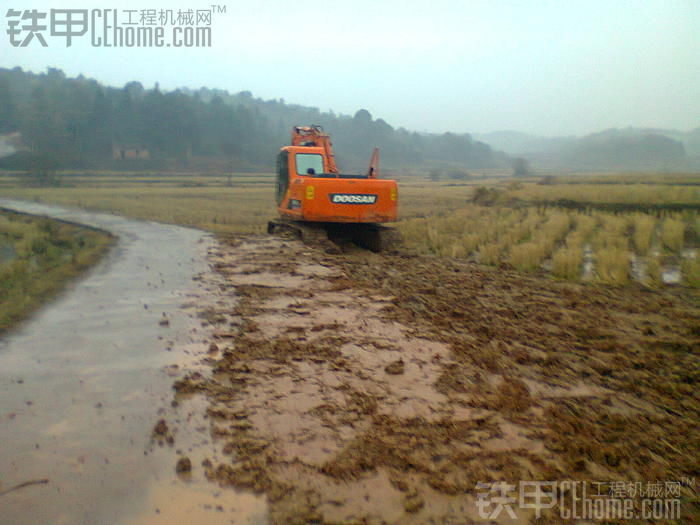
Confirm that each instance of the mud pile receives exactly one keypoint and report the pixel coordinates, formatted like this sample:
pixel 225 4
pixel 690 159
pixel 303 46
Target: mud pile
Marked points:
pixel 365 388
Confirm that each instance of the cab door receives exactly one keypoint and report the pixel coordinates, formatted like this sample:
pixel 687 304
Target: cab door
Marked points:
pixel 282 183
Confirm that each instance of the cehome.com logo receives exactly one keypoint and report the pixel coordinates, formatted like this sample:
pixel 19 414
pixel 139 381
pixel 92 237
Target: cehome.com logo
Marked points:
pixel 353 198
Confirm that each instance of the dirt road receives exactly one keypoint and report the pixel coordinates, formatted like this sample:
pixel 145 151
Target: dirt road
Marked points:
pixel 82 381
pixel 360 388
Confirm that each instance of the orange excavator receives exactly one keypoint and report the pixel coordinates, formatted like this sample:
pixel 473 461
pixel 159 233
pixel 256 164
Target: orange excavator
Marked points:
pixel 312 195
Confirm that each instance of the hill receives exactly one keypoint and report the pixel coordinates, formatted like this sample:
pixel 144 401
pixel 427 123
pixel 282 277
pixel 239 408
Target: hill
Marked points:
pixel 639 149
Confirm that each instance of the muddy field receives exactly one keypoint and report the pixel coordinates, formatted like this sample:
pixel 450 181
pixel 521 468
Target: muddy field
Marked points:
pixel 365 388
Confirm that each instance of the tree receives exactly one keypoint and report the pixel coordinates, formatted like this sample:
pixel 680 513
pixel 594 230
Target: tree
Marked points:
pixel 521 167
pixel 100 125
pixel 363 117
pixel 6 108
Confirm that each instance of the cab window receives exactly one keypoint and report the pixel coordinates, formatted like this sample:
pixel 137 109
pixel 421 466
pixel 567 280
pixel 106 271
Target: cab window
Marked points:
pixel 309 164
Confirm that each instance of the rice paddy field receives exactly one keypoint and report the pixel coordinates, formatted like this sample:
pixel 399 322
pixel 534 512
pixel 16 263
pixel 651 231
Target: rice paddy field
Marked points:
pixel 651 234
pixel 607 229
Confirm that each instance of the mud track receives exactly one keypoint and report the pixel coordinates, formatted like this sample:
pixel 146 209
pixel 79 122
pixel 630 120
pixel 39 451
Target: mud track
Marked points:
pixel 362 388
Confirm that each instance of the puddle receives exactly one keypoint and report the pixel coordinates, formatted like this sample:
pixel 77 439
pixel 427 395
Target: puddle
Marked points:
pixel 671 274
pixel 588 266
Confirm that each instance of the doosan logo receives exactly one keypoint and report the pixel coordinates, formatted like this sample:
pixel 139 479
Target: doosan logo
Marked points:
pixel 353 198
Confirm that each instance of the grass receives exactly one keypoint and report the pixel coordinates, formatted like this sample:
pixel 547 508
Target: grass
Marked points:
pixel 644 227
pixel 610 232
pixel 566 262
pixel 672 231
pixel 41 255
pixel 220 210
pixel 528 256
pixel 490 253
pixel 691 271
pixel 653 273
pixel 612 266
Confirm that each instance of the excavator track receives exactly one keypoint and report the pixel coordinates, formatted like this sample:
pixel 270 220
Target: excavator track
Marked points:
pixel 332 236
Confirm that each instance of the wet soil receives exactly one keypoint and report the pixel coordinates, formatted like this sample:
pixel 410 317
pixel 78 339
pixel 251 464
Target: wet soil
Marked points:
pixel 367 388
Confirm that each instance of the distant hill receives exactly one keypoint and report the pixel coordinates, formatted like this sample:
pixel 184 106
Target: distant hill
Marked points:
pixel 624 149
pixel 519 143
pixel 690 139
pixel 612 150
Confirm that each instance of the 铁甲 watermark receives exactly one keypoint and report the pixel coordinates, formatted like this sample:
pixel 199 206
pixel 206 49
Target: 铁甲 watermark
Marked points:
pixel 582 500
pixel 113 27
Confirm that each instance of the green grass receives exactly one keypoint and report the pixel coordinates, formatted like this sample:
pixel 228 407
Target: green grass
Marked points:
pixel 41 255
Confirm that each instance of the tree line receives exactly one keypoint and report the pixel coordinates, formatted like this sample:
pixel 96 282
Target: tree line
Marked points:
pixel 77 122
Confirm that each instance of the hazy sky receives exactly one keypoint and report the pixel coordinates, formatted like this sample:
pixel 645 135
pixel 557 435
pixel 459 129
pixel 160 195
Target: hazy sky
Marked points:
pixel 545 67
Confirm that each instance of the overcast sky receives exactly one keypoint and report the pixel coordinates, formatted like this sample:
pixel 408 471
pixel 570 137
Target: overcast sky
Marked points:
pixel 544 67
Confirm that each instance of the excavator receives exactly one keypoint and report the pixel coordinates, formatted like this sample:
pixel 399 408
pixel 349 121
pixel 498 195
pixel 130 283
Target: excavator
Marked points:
pixel 314 198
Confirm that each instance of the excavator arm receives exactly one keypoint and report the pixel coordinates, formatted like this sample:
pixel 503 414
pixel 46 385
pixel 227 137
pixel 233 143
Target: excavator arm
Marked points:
pixel 315 136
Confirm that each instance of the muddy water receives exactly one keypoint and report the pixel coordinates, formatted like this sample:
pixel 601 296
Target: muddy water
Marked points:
pixel 83 381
